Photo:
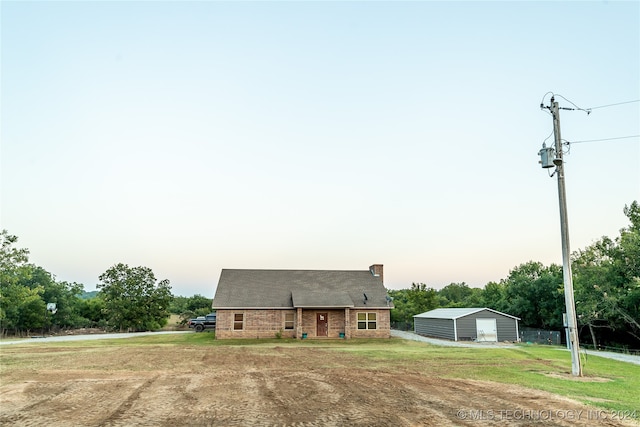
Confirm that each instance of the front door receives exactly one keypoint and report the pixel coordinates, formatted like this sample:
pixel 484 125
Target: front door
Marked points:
pixel 322 322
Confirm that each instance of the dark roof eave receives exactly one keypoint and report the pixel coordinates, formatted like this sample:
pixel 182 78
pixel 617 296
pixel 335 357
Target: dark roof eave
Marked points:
pixel 252 308
pixel 305 307
pixel 324 306
pixel 374 308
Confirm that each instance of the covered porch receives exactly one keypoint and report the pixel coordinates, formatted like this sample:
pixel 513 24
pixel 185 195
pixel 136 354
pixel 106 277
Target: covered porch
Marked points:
pixel 322 315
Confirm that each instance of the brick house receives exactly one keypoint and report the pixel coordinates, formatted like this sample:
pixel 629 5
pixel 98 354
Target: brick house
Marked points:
pixel 302 304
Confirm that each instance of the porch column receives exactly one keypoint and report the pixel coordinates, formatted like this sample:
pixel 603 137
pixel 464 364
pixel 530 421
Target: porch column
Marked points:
pixel 299 323
pixel 347 324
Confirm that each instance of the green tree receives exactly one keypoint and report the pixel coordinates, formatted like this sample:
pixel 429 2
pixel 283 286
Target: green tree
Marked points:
pixel 627 262
pixel 593 276
pixel 190 307
pixel 21 307
pixel 474 298
pixel 454 295
pixel 607 283
pixel 11 258
pixel 195 303
pixel 178 304
pixel 133 300
pixel 494 296
pixel 92 312
pixel 534 293
pixel 199 303
pixel 65 295
pixel 409 302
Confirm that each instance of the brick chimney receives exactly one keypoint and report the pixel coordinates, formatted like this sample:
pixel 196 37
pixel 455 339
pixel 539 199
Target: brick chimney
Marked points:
pixel 376 270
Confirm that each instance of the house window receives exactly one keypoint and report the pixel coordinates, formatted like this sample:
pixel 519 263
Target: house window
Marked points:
pixel 367 321
pixel 238 321
pixel 288 320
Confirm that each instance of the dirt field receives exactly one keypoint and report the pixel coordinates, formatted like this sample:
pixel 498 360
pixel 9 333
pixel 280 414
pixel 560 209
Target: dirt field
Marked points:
pixel 257 385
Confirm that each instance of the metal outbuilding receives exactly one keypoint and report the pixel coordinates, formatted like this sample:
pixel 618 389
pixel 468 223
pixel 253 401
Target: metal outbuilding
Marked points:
pixel 467 324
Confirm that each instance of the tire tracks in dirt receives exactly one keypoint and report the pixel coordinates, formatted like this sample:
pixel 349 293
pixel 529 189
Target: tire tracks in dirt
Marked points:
pixel 115 417
pixel 259 387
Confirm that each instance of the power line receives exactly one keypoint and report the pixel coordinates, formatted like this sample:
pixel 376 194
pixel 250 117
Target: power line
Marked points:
pixel 577 108
pixel 604 139
pixel 613 105
pixel 586 110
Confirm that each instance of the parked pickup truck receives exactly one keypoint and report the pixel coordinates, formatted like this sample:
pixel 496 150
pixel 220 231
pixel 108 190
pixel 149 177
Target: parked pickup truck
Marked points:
pixel 201 323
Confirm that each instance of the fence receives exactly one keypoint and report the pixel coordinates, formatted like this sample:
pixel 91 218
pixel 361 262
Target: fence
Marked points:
pixel 540 336
pixel 402 326
pixel 616 349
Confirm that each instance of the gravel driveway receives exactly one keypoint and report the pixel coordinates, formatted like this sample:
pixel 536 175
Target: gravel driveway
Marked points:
pixel 446 343
pixel 435 341
pixel 86 337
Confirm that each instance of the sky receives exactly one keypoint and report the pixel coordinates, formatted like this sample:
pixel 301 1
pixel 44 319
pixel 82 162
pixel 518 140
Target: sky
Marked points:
pixel 189 137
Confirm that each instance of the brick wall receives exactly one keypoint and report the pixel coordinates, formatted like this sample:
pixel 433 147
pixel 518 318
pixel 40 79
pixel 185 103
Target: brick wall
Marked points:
pixel 335 322
pixel 377 270
pixel 266 323
pixel 383 324
pixel 256 324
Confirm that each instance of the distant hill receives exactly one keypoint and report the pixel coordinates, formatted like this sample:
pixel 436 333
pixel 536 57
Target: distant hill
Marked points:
pixel 89 295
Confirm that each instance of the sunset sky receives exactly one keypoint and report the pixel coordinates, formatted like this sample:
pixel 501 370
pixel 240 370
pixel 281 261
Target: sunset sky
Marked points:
pixel 188 137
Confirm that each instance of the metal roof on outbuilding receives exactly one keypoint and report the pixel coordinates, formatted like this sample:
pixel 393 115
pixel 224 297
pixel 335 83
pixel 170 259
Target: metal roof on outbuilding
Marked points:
pixel 456 313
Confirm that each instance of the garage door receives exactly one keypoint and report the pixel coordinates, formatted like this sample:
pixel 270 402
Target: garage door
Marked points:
pixel 486 330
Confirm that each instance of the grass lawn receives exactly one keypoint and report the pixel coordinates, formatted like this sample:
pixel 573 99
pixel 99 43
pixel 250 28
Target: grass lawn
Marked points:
pixel 606 383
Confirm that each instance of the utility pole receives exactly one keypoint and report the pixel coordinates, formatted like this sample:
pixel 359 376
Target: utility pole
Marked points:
pixel 572 324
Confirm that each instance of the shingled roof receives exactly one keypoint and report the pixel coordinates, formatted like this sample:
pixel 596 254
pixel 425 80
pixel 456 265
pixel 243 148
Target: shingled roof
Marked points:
pixel 299 288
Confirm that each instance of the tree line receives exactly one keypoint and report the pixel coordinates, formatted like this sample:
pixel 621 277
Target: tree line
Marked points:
pixel 606 279
pixel 606 284
pixel 128 298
